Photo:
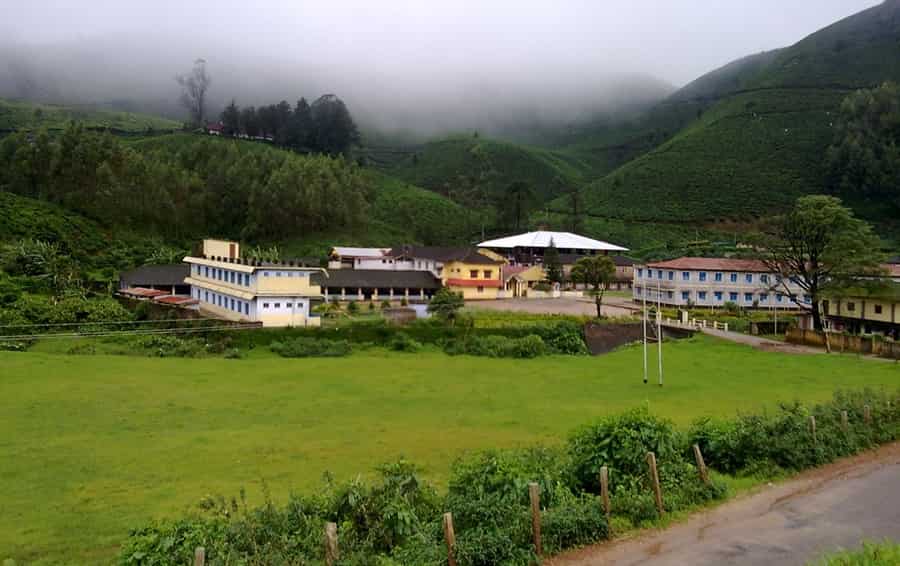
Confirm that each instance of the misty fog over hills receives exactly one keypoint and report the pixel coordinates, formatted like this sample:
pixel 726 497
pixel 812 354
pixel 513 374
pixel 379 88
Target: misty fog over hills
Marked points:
pixel 511 69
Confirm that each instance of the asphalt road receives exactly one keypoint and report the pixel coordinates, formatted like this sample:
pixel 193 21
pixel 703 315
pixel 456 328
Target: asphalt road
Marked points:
pixel 789 524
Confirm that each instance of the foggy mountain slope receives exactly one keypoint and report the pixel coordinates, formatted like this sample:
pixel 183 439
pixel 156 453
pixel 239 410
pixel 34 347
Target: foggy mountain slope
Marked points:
pixel 755 131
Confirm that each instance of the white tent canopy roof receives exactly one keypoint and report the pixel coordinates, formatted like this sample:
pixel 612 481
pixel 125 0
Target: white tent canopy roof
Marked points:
pixel 541 239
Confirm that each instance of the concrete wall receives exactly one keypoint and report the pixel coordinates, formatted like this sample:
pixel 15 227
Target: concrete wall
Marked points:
pixel 845 343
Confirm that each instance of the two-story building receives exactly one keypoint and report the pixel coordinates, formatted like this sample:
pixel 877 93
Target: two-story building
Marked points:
pixel 713 282
pixel 231 287
pixel 871 307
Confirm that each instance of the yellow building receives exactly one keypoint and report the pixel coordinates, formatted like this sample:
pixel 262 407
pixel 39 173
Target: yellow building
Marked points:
pixel 865 311
pixel 518 279
pixel 234 288
pixel 474 275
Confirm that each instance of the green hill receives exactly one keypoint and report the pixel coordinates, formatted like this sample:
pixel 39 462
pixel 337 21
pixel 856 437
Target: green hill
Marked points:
pixel 755 131
pixel 17 115
pixel 460 164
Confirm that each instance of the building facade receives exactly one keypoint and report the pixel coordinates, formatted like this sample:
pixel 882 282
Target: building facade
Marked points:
pixel 233 288
pixel 713 282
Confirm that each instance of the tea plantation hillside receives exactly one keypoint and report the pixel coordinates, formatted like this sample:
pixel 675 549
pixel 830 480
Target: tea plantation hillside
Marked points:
pixel 20 115
pixel 755 131
pixel 458 165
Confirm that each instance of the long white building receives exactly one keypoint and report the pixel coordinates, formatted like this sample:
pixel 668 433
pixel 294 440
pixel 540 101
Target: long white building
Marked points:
pixel 713 282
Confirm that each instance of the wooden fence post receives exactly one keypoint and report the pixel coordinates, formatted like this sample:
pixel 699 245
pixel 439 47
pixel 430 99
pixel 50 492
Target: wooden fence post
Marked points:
pixel 604 492
pixel 701 465
pixel 450 539
pixel 654 479
pixel 812 429
pixel 867 414
pixel 199 556
pixel 844 421
pixel 535 495
pixel 331 544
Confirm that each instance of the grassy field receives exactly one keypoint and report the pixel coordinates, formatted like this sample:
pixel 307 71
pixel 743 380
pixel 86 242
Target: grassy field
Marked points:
pixel 93 445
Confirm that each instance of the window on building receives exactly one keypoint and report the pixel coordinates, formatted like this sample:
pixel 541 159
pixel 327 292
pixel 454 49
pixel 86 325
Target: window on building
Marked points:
pixel 670 294
pixel 685 295
pixel 734 277
pixel 851 307
pixel 732 297
pixel 277 274
pixel 778 297
pixel 247 309
pixel 640 272
pixel 277 306
pixel 878 309
pixel 718 295
pixel 764 278
pixel 265 305
pixel 701 295
pixel 232 304
pixel 659 274
pixel 480 289
pixel 764 297
pixel 718 277
pixel 473 274
pixel 807 299
pixel 266 274
pixel 649 274
pixel 702 276
pixel 685 275
pixel 206 296
pixel 488 273
pixel 233 276
pixel 288 305
pixel 671 276
pixel 748 278
pixel 748 297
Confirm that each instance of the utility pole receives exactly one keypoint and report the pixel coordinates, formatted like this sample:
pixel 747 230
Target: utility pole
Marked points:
pixel 644 328
pixel 659 330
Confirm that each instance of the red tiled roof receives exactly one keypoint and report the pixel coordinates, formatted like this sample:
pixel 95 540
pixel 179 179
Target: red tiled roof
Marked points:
pixel 177 300
pixel 144 292
pixel 474 283
pixel 712 264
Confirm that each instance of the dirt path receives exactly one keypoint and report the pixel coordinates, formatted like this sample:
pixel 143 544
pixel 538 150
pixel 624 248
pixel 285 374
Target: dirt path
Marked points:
pixel 788 524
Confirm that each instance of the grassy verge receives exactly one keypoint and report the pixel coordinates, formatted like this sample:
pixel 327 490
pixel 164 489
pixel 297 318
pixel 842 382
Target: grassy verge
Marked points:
pixel 97 444
pixel 871 554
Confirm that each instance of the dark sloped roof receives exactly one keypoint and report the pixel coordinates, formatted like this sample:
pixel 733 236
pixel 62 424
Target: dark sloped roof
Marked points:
pixel 369 278
pixel 444 254
pixel 173 274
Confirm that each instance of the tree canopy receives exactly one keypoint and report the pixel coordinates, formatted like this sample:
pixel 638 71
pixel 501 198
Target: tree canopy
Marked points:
pixel 819 246
pixel 864 161
pixel 597 272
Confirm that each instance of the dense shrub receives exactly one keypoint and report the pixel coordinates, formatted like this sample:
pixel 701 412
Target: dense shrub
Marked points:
pixel 396 520
pixel 401 342
pixel 163 346
pixel 303 347
pixel 497 346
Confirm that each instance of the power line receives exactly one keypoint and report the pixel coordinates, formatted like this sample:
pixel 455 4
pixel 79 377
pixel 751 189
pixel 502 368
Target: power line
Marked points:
pixel 161 321
pixel 142 332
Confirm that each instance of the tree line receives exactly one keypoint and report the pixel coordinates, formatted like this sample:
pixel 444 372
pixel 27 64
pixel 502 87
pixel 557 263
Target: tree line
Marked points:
pixel 182 187
pixel 325 126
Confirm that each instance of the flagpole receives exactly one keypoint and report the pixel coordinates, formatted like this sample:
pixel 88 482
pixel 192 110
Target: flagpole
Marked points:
pixel 659 336
pixel 644 328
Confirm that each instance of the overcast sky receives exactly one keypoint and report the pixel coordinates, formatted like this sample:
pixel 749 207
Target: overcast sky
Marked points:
pixel 451 63
pixel 675 40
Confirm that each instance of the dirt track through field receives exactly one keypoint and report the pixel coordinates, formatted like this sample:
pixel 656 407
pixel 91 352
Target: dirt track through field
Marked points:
pixel 832 507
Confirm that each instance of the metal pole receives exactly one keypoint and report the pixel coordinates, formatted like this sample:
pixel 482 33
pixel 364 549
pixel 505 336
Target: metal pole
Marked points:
pixel 659 330
pixel 644 328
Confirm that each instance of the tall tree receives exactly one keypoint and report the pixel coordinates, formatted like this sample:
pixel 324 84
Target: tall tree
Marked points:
pixel 552 265
pixel 194 86
pixel 864 161
pixel 820 246
pixel 249 121
pixel 283 116
pixel 519 198
pixel 335 131
pixel 231 119
pixel 597 272
pixel 301 127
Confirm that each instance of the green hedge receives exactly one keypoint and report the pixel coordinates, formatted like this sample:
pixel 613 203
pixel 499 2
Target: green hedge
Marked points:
pixel 397 518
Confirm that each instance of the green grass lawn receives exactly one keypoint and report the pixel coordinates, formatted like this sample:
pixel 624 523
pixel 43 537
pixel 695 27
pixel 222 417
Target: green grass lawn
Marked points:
pixel 93 445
